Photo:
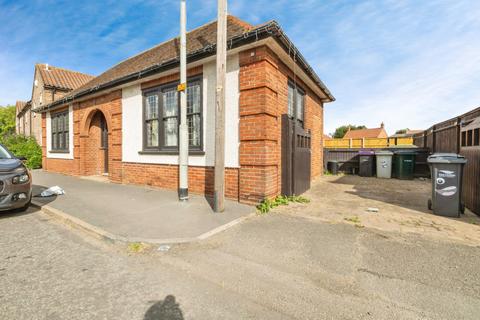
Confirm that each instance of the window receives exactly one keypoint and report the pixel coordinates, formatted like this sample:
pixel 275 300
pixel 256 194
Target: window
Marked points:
pixel 296 103
pixel 170 117
pixel 464 138
pixel 60 129
pixel 194 114
pixel 476 137
pixel 469 138
pixel 162 117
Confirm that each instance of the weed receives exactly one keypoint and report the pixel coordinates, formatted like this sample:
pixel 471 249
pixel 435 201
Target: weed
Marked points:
pixel 136 247
pixel 354 219
pixel 268 204
pixel 473 222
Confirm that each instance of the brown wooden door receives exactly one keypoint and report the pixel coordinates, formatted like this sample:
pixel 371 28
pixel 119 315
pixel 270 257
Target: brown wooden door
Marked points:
pixel 296 157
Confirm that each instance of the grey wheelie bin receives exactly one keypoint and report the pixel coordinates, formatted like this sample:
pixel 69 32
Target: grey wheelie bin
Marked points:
pixel 447 174
pixel 366 163
pixel 384 164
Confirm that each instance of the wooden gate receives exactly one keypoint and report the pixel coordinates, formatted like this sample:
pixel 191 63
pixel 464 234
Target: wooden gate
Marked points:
pixel 296 157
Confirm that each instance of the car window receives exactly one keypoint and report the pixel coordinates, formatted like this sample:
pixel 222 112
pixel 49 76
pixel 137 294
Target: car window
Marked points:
pixel 4 154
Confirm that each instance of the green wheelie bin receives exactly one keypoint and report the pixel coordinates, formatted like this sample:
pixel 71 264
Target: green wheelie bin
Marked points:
pixel 404 164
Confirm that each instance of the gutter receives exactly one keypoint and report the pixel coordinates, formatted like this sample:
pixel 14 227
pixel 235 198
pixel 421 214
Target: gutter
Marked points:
pixel 270 29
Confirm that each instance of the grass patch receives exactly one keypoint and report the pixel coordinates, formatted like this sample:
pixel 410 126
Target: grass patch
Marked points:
pixel 268 204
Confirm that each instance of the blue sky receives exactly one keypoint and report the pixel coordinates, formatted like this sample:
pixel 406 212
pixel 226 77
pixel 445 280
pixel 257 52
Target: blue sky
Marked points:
pixel 408 63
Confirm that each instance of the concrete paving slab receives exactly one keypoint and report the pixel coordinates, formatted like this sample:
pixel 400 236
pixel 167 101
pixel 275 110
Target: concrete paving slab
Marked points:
pixel 134 213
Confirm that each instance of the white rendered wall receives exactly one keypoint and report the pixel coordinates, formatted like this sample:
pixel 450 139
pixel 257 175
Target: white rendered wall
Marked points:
pixel 132 126
pixel 54 155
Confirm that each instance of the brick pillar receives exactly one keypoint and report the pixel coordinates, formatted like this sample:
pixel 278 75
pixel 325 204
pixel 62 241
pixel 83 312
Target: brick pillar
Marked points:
pixel 115 139
pixel 259 126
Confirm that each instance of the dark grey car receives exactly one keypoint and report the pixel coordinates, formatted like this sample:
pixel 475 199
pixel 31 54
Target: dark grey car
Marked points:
pixel 15 182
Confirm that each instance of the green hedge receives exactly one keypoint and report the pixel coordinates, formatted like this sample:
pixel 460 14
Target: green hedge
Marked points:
pixel 27 147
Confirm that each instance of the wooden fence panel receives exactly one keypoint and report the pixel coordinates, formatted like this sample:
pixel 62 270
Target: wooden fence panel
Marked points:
pixel 446 139
pixel 367 143
pixel 471 179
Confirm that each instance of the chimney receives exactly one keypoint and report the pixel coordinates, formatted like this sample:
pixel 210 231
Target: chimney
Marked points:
pixel 382 125
pixel 46 66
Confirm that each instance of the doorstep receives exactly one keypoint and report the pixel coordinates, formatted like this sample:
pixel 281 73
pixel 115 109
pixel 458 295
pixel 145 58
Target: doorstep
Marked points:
pixel 126 213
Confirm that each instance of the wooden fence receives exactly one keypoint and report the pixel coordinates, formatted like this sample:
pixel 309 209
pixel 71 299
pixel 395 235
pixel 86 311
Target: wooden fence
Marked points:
pixel 348 160
pixel 367 143
pixel 458 135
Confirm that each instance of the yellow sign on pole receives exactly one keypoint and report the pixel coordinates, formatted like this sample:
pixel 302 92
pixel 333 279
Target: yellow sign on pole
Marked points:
pixel 181 87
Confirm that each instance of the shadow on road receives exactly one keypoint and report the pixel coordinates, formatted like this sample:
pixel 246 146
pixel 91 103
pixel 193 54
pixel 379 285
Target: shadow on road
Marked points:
pixel 168 309
pixel 36 190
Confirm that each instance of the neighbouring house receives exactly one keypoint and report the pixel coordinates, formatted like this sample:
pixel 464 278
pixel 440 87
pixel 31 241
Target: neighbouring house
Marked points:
pixel 49 84
pixel 367 133
pixel 21 121
pixel 408 134
pixel 124 123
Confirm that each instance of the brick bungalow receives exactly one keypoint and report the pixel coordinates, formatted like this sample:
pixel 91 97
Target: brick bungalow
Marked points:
pixel 124 123
pixel 49 84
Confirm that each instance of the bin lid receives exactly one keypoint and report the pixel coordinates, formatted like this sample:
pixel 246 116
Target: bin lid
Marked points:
pixel 446 158
pixel 405 152
pixel 384 153
pixel 366 153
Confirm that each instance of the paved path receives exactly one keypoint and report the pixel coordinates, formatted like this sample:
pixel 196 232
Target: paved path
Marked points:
pixel 135 212
pixel 269 267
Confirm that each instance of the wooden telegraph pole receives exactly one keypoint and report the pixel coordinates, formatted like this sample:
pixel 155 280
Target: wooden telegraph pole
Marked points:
pixel 219 187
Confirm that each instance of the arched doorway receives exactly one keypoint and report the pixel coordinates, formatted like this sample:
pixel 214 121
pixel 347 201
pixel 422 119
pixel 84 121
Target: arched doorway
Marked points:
pixel 96 161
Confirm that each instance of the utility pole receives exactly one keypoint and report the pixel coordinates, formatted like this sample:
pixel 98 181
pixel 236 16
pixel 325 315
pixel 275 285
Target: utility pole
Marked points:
pixel 219 187
pixel 182 88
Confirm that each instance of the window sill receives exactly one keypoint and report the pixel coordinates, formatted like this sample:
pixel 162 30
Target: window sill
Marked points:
pixel 59 151
pixel 171 152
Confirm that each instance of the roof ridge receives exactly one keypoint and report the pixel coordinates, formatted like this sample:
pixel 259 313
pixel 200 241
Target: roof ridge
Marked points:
pixel 64 69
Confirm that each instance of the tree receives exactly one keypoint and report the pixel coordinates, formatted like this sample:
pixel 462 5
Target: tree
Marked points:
pixel 402 131
pixel 341 131
pixel 7 120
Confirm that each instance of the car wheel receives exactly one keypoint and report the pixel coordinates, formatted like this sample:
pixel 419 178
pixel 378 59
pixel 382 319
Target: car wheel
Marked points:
pixel 462 208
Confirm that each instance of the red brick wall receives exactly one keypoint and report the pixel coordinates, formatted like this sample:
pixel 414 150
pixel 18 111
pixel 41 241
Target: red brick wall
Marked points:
pixel 200 179
pixel 263 99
